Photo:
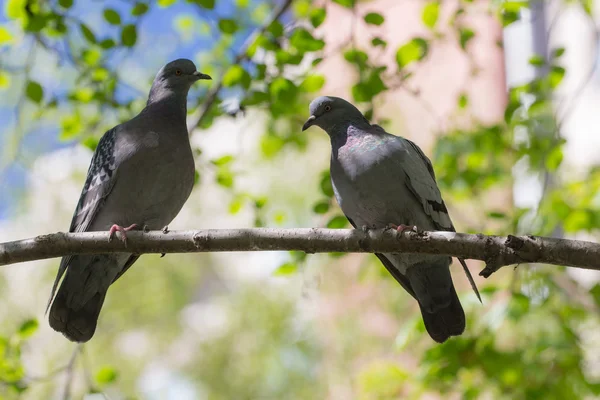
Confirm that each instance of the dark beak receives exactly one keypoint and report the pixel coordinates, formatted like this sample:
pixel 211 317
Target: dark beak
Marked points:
pixel 309 122
pixel 200 75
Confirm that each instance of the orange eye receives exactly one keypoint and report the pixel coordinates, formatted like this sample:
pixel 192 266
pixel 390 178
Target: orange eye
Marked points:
pixel 177 72
pixel 327 108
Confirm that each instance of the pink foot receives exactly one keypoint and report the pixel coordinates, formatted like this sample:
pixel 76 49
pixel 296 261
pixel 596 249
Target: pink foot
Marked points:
pixel 403 228
pixel 123 231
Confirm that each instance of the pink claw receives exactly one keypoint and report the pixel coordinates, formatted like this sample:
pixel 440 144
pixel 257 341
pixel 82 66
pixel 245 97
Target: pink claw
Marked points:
pixel 123 231
pixel 403 228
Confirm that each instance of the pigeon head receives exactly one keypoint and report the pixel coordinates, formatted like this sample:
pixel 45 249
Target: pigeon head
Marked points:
pixel 175 78
pixel 327 112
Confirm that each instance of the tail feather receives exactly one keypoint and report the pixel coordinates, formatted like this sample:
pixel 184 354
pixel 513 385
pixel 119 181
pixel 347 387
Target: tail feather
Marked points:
pixel 442 312
pixel 77 304
pixel 445 322
pixel 77 324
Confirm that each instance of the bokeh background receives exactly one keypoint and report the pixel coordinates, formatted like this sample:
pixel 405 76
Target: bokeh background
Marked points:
pixel 503 96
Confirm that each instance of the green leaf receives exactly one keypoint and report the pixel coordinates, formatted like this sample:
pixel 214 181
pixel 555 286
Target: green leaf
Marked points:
pixel 91 142
pixel 537 60
pixel 65 3
pixel 378 42
pixel 286 269
pixel 302 40
pixel 317 16
pixel 107 44
pixel 87 33
pixel 345 3
pixel 312 83
pixel 558 52
pixel 236 205
pixel 357 57
pixel 225 177
pixel 554 158
pixel 223 160
pixel 431 13
pixel 36 23
pixel 371 86
pixel 111 16
pixel 237 75
pixel 228 26
pixel 337 222
pixel 28 328
pixel 129 35
pixel 106 375
pixel 282 90
pixel 196 177
pixel 374 19
pixel 463 101
pixel 325 184
pixel 415 50
pixel 496 215
pixel 139 9
pixel 166 3
pixel 208 4
pixel 465 35
pixel 321 207
pixel 34 91
pixel 556 75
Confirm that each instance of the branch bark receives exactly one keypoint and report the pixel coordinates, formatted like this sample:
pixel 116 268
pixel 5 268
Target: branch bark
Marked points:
pixel 495 251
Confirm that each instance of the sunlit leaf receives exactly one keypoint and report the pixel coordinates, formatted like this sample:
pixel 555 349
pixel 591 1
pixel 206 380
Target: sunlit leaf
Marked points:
pixel 106 375
pixel 303 40
pixel 430 14
pixel 556 75
pixel 337 222
pixel 412 51
pixel 345 3
pixel 286 269
pixel 312 83
pixel 28 328
pixel 317 16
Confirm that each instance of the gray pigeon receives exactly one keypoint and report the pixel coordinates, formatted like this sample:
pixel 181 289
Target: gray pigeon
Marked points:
pixel 379 180
pixel 141 174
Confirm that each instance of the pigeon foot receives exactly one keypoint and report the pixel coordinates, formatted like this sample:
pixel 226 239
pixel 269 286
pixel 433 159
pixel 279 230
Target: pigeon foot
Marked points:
pixel 403 228
pixel 118 228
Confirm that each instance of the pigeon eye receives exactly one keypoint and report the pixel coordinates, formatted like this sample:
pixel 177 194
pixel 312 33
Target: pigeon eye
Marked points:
pixel 177 72
pixel 327 108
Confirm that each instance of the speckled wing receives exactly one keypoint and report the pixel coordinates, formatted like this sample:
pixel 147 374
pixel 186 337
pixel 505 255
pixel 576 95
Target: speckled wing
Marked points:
pixel 98 184
pixel 425 189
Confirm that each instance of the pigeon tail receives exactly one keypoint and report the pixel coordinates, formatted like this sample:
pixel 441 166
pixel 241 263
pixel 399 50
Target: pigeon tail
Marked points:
pixel 77 325
pixel 442 312
pixel 77 304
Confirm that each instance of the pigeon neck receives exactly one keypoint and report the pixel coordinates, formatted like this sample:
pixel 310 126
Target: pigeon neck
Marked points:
pixel 166 101
pixel 347 131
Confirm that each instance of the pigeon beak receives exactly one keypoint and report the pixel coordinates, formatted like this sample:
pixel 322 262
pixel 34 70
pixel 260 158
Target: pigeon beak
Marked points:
pixel 309 122
pixel 199 75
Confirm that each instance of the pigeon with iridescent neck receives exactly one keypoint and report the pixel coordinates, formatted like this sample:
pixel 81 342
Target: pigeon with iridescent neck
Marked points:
pixel 380 180
pixel 140 176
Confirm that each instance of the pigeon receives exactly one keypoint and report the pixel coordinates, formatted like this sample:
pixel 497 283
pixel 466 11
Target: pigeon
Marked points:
pixel 140 176
pixel 382 180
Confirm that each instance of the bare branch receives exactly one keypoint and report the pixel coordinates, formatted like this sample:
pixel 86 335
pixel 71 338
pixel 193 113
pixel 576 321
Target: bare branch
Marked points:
pixel 496 251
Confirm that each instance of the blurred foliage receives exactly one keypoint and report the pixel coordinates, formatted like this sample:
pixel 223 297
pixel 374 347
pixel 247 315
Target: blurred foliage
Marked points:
pixel 531 342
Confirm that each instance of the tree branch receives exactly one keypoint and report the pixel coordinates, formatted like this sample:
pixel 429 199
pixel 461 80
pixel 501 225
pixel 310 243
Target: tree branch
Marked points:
pixel 496 251
pixel 242 55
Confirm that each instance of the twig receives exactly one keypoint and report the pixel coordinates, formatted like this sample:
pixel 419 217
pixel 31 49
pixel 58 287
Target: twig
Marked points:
pixel 69 371
pixel 496 251
pixel 242 55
